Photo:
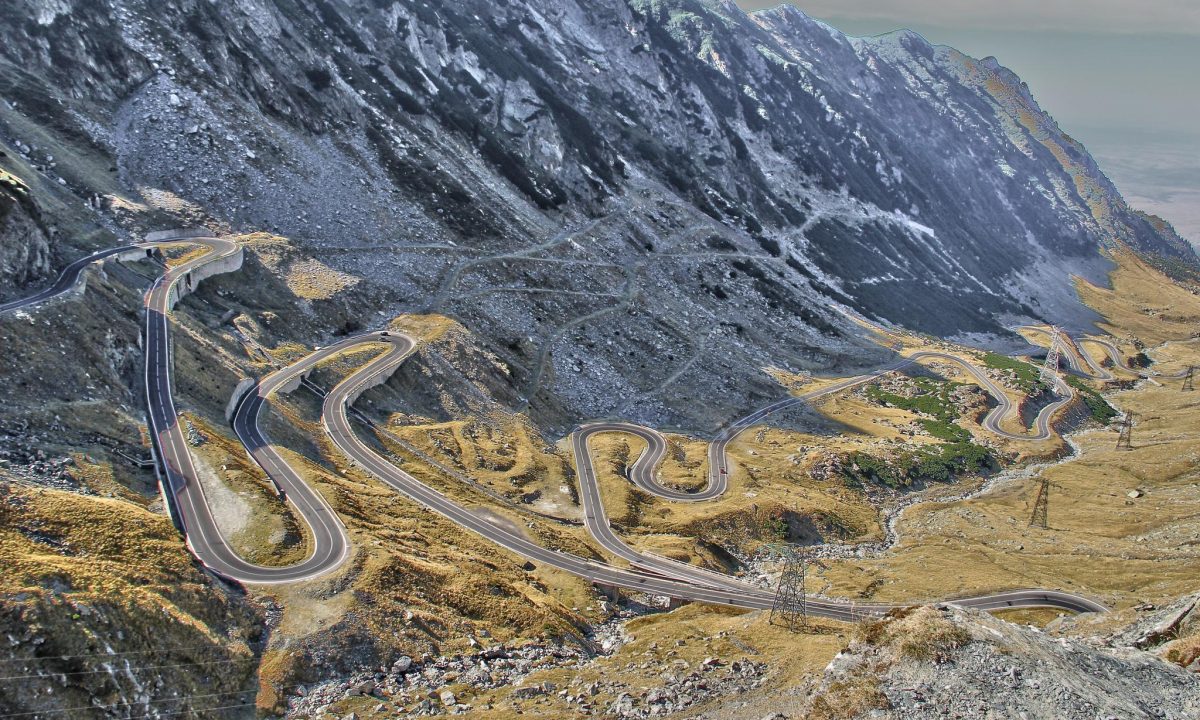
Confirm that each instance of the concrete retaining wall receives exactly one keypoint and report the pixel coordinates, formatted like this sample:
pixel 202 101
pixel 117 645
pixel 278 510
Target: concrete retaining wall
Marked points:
pixel 178 233
pixel 182 287
pixel 238 393
pixel 134 253
pixel 294 383
pixel 378 378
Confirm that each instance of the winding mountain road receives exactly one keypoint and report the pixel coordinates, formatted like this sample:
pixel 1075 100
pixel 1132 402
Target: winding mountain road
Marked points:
pixel 1077 351
pixel 668 581
pixel 642 472
pixel 69 278
pixel 1006 407
pixel 181 484
pixel 185 498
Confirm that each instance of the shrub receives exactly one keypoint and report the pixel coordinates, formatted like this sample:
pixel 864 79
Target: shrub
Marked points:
pixel 1027 376
pixel 932 399
pixel 937 463
pixel 947 431
pixel 1101 411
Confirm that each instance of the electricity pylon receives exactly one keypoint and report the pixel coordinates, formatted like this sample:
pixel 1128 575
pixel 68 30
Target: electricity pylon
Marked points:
pixel 791 596
pixel 1188 379
pixel 1125 439
pixel 1049 375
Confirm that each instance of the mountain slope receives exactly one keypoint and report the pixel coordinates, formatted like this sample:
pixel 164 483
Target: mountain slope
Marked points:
pixel 627 198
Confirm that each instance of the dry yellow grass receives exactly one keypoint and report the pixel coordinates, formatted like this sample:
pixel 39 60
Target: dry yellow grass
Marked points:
pixel 1037 617
pixel 1143 303
pixel 501 452
pixel 922 634
pixel 1101 542
pixel 311 279
pixel 426 328
pixel 764 482
pixel 676 642
pixel 1184 651
pixel 305 277
pixel 176 255
pixel 407 560
pixel 799 384
pixel 91 575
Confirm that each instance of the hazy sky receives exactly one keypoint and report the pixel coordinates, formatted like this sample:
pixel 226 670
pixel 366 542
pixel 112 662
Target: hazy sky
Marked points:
pixel 1121 76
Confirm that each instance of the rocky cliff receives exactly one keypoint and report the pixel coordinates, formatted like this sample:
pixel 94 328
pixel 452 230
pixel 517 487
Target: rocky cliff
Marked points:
pixel 628 197
pixel 24 239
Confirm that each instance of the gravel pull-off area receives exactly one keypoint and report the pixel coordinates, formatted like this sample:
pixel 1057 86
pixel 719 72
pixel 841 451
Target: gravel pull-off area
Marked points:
pixel 953 663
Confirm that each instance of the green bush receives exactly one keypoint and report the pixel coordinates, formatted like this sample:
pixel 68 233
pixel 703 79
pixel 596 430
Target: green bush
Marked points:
pixel 932 399
pixel 947 431
pixel 1027 375
pixel 1101 411
pixel 937 463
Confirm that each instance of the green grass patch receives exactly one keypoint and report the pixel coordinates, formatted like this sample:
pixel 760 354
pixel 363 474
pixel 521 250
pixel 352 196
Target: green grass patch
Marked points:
pixel 932 399
pixel 1027 375
pixel 938 463
pixel 948 431
pixel 957 455
pixel 1101 411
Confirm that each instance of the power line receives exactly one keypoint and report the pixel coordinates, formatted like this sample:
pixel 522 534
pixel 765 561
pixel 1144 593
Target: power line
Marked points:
pixel 82 708
pixel 39 658
pixel 191 710
pixel 144 667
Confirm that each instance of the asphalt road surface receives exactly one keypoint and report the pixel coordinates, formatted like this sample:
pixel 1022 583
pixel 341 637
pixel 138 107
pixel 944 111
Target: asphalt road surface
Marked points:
pixel 1076 349
pixel 642 472
pixel 1074 352
pixel 181 484
pixel 1005 406
pixel 67 279
pixel 331 546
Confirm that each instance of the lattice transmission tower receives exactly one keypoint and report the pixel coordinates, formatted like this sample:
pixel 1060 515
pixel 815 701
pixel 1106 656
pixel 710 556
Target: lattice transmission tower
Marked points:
pixel 1125 439
pixel 791 596
pixel 1189 379
pixel 1049 375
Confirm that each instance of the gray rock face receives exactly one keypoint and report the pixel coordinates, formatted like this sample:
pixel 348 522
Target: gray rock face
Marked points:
pixel 25 244
pixel 639 204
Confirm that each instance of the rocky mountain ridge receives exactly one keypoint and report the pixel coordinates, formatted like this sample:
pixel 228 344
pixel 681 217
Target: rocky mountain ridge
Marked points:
pixel 677 170
pixel 932 663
